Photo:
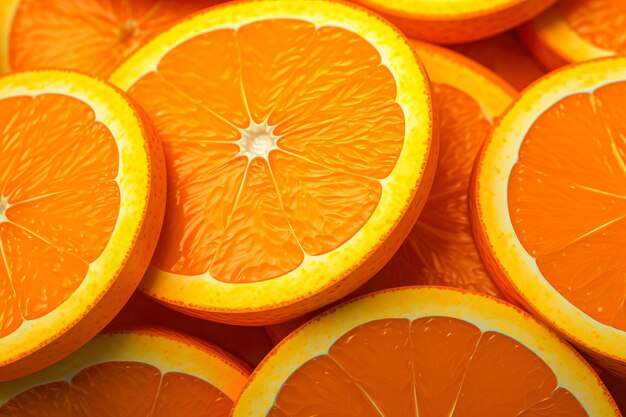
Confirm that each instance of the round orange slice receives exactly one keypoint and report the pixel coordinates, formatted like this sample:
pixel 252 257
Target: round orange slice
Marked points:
pixel 427 352
pixel 142 372
pixel 298 160
pixel 82 195
pixel 251 344
pixel 507 56
pixel 456 21
pixel 576 31
pixel 549 208
pixel 440 249
pixel 92 36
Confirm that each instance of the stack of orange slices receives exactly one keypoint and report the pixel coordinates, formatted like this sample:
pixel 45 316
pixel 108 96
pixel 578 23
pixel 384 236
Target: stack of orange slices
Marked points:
pixel 257 161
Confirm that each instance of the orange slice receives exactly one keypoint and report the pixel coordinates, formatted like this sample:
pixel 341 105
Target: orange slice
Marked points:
pixel 297 161
pixel 506 56
pixel 251 344
pixel 424 352
pixel 143 372
pixel 82 193
pixel 456 21
pixel 549 208
pixel 92 36
pixel 440 249
pixel 576 31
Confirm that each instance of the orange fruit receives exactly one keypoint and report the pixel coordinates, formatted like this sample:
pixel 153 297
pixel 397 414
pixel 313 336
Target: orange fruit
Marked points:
pixel 424 351
pixel 82 195
pixel 549 205
pixel 576 31
pixel 456 21
pixel 92 36
pixel 617 388
pixel 297 161
pixel 506 56
pixel 440 249
pixel 248 343
pixel 131 373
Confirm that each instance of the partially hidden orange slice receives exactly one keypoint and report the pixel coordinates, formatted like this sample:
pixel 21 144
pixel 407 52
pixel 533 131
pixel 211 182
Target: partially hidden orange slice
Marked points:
pixel 549 207
pixel 139 372
pixel 440 249
pixel 507 56
pixel 456 21
pixel 298 160
pixel 249 343
pixel 576 31
pixel 427 352
pixel 92 36
pixel 82 195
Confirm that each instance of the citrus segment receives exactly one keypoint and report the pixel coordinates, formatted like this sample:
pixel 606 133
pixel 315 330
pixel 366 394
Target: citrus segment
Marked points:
pixel 258 242
pixel 130 373
pixel 318 105
pixel 559 192
pixel 456 21
pixel 308 192
pixel 576 31
pixel 102 34
pixel 424 352
pixel 82 188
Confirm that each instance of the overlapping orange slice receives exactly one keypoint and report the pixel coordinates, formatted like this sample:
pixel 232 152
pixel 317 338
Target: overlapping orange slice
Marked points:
pixel 82 194
pixel 440 249
pixel 456 21
pixel 549 207
pixel 141 372
pixel 576 31
pixel 507 56
pixel 92 36
pixel 299 144
pixel 426 352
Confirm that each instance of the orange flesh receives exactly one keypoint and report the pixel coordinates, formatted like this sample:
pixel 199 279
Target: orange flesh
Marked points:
pixel 92 36
pixel 600 22
pixel 567 200
pixel 444 367
pixel 121 389
pixel 440 250
pixel 270 149
pixel 58 202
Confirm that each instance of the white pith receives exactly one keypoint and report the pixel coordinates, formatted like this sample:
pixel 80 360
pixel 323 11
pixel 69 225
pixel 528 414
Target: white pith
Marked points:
pixel 257 140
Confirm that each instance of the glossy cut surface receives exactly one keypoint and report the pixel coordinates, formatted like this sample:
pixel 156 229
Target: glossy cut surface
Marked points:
pixel 567 200
pixel 599 22
pixel 59 201
pixel 428 367
pixel 121 389
pixel 274 159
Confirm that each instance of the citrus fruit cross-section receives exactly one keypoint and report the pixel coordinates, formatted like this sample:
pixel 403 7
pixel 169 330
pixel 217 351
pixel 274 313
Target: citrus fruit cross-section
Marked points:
pixel 576 31
pixel 549 205
pixel 134 372
pixel 92 36
pixel 82 195
pixel 427 352
pixel 456 21
pixel 299 145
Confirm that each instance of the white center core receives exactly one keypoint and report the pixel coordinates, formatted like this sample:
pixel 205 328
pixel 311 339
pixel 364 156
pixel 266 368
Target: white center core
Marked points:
pixel 4 203
pixel 257 140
